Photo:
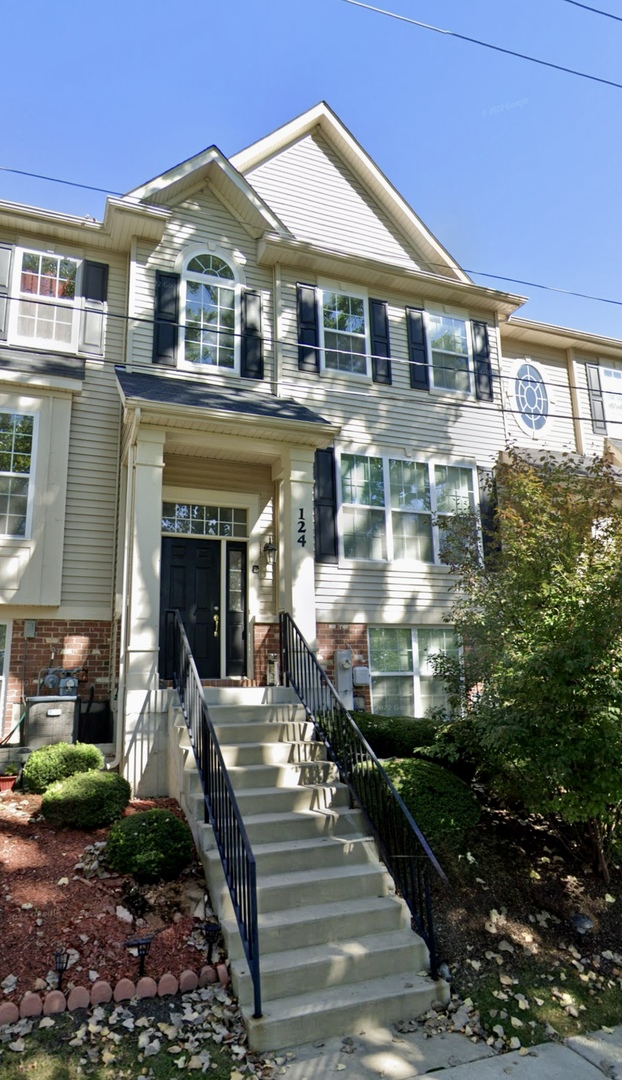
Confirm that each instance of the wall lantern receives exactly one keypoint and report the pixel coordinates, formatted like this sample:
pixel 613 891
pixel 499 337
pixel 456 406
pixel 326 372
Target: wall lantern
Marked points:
pixel 270 552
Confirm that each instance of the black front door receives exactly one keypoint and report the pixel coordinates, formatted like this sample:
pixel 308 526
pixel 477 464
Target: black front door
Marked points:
pixel 190 581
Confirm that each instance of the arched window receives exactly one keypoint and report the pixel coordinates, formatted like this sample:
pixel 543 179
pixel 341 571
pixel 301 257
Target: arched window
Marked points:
pixel 210 318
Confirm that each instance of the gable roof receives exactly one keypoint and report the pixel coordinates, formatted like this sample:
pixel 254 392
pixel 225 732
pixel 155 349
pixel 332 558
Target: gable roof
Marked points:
pixel 322 118
pixel 211 165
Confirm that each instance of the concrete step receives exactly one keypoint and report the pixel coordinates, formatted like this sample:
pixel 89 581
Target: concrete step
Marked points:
pixel 319 853
pixel 278 828
pixel 323 922
pixel 271 753
pixel 236 731
pixel 341 1010
pixel 300 888
pixel 249 695
pixel 268 800
pixel 292 972
pixel 286 775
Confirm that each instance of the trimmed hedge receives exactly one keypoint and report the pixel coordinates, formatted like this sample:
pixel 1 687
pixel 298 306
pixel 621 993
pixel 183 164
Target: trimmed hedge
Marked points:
pixel 58 762
pixel 87 800
pixel 154 845
pixel 395 736
pixel 443 806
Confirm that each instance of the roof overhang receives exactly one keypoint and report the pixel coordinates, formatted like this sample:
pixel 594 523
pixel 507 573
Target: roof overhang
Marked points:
pixel 528 332
pixel 123 219
pixel 300 255
pixel 322 117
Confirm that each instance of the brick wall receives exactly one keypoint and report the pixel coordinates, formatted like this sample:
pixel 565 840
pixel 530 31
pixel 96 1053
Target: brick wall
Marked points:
pixel 74 644
pixel 330 637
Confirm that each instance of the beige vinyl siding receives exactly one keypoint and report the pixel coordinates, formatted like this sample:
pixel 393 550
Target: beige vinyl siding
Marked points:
pixel 88 557
pixel 196 473
pixel 321 201
pixel 200 220
pixel 558 432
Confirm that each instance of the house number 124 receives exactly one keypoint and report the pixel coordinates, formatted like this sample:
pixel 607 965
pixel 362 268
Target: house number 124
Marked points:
pixel 302 528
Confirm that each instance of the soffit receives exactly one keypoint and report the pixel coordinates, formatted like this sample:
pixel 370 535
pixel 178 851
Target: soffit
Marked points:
pixel 532 333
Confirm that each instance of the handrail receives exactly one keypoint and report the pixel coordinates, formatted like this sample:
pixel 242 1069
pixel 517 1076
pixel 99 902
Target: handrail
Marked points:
pixel 221 808
pixel 403 847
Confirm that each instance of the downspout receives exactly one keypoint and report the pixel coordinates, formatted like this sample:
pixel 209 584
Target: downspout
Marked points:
pixel 574 400
pixel 125 598
pixel 277 326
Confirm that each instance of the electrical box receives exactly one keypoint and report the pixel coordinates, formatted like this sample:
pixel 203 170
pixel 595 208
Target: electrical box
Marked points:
pixel 51 719
pixel 343 676
pixel 360 676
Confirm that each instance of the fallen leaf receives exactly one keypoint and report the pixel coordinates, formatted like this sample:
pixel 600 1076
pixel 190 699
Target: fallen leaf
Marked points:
pixel 609 899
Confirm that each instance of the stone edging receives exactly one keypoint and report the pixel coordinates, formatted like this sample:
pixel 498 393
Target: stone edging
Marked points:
pixel 101 992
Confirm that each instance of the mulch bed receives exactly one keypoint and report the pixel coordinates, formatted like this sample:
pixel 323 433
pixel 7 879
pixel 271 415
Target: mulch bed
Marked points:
pixel 46 903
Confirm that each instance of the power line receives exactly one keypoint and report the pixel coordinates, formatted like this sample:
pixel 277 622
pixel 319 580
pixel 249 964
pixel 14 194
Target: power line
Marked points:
pixel 54 180
pixel 486 44
pixel 596 11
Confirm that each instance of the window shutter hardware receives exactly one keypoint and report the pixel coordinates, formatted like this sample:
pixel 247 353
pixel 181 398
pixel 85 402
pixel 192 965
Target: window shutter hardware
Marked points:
pixel 417 349
pixel 481 361
pixel 6 253
pixel 166 324
pixel 308 329
pixel 325 507
pixel 380 342
pixel 597 402
pixel 94 296
pixel 252 341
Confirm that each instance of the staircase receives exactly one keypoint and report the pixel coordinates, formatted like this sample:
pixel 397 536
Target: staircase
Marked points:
pixel 336 950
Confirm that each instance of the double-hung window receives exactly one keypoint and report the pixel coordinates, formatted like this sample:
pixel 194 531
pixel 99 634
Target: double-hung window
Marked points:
pixel 16 460
pixel 390 507
pixel 46 289
pixel 450 362
pixel 403 681
pixel 344 333
pixel 209 313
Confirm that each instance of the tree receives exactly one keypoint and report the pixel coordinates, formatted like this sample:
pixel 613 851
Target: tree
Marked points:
pixel 540 620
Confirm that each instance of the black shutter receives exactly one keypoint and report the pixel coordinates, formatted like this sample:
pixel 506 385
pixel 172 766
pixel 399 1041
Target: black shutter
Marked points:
pixel 6 252
pixel 380 344
pixel 597 405
pixel 166 325
pixel 325 507
pixel 95 281
pixel 417 349
pixel 308 329
pixel 252 343
pixel 481 361
pixel 487 507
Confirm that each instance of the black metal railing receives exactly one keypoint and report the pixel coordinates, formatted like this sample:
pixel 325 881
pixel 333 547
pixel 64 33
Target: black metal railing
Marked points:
pixel 221 808
pixel 403 847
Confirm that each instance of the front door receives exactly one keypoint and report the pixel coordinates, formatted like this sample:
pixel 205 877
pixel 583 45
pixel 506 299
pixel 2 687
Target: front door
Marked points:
pixel 206 581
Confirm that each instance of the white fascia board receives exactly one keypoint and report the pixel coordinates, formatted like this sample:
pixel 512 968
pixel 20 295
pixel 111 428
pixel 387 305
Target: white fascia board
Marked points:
pixel 563 337
pixel 372 177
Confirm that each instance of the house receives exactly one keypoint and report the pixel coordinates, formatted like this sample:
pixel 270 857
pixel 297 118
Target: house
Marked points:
pixel 274 354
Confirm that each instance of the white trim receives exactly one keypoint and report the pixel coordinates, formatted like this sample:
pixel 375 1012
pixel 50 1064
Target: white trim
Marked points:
pixel 17 297
pixel 8 623
pixel 343 289
pixel 443 311
pixel 12 537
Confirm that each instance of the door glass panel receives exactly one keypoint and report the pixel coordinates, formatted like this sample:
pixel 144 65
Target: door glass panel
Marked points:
pixel 196 519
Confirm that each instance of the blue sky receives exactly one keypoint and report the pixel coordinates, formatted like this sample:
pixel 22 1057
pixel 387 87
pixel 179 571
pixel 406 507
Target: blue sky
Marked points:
pixel 514 167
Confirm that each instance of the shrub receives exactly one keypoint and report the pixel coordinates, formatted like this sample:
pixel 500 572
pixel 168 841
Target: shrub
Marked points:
pixel 152 845
pixel 86 800
pixel 395 736
pixel 442 805
pixel 58 762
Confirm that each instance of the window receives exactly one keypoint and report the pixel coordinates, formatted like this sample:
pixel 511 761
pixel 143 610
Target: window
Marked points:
pixel 390 506
pixel 209 312
pixel 344 333
pixel 449 353
pixel 403 680
pixel 16 453
pixel 531 398
pixel 194 519
pixel 45 287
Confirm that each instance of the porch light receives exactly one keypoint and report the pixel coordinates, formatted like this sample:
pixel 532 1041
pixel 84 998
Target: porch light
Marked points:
pixel 211 933
pixel 61 963
pixel 270 549
pixel 142 946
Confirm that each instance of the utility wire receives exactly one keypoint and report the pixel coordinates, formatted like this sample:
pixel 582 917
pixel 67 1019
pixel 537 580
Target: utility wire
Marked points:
pixel 596 11
pixel 54 180
pixel 486 44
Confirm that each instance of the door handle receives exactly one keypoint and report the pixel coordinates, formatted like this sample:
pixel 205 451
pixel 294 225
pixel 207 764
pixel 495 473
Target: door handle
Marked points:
pixel 216 624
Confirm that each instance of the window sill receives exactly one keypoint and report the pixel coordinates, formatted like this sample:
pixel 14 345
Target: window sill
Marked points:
pixel 349 376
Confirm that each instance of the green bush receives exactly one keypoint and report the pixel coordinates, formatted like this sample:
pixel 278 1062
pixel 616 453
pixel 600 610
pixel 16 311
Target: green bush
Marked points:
pixel 58 762
pixel 152 845
pixel 87 800
pixel 395 736
pixel 442 805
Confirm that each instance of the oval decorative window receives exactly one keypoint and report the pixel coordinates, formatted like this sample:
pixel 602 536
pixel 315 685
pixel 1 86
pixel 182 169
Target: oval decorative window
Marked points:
pixel 532 401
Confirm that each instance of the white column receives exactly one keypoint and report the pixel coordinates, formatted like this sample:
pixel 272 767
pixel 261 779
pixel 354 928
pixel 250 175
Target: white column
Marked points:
pixel 145 537
pixel 296 569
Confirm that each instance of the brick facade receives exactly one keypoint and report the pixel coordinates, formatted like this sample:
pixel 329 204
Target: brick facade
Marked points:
pixel 330 637
pixel 71 644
